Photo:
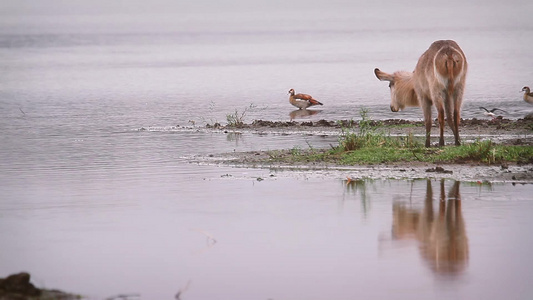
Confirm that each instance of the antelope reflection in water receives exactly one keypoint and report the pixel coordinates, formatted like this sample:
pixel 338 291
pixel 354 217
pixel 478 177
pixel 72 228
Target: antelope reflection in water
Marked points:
pixel 441 235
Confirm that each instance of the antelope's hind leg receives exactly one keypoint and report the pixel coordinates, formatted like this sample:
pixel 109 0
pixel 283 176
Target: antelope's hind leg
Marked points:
pixel 440 117
pixel 453 116
pixel 426 107
pixel 457 119
pixel 457 114
pixel 439 100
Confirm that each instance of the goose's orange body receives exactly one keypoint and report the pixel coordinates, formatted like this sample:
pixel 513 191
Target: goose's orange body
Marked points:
pixel 302 101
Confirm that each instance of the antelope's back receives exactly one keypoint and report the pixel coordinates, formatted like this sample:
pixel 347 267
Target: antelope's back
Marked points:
pixel 444 60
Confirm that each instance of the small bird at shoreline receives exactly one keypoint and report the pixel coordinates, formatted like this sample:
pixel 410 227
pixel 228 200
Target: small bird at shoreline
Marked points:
pixel 528 95
pixel 490 113
pixel 302 101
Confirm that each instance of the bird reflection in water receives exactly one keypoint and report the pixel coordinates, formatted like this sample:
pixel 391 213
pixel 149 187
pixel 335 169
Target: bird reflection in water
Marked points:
pixel 303 113
pixel 441 234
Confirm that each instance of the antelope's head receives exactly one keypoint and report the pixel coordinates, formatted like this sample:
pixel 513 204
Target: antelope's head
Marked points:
pixel 401 89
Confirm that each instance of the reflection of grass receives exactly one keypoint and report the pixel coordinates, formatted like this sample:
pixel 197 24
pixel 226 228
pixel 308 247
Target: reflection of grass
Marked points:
pixel 357 185
pixel 360 186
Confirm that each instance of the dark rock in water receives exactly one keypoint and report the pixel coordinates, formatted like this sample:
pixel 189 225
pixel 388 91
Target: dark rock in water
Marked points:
pixel 18 287
pixel 18 284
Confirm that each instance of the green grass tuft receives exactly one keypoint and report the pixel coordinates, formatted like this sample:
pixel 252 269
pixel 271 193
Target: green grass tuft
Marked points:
pixel 370 145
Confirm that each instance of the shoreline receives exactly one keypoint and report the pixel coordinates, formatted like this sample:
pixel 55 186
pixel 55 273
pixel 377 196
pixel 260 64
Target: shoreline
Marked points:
pixel 468 127
pixel 499 131
pixel 511 173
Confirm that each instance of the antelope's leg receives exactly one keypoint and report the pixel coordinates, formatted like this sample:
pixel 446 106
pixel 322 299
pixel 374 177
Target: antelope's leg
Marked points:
pixel 452 116
pixel 426 107
pixel 440 116
pixel 457 120
pixel 458 100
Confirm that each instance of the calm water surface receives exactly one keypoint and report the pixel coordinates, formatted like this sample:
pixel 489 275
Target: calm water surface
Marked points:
pixel 90 202
pixel 289 236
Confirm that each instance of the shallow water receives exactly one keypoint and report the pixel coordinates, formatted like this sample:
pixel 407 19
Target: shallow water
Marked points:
pixel 99 195
pixel 303 235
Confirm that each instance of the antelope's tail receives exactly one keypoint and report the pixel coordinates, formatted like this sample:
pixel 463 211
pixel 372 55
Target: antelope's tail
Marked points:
pixel 450 66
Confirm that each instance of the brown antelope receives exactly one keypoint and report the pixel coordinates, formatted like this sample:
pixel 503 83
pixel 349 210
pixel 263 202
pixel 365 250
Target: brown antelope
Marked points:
pixel 438 79
pixel 302 101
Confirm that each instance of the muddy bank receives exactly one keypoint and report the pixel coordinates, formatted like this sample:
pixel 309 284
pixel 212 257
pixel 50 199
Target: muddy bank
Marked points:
pixel 498 123
pixel 466 124
pixel 513 173
pixel 500 131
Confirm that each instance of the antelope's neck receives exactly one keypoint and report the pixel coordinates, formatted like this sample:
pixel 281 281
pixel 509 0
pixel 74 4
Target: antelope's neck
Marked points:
pixel 405 90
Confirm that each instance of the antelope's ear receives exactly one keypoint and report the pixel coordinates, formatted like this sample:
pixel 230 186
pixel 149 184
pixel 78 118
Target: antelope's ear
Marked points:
pixel 383 76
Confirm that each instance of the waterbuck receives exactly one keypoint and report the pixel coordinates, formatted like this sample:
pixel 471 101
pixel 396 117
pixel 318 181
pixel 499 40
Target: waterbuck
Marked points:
pixel 438 79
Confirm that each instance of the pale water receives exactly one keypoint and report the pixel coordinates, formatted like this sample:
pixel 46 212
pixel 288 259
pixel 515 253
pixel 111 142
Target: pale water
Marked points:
pixel 92 203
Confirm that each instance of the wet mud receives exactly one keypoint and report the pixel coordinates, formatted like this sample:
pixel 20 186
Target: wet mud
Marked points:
pixel 515 132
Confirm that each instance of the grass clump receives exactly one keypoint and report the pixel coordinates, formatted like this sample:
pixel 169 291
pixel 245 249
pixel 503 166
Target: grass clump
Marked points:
pixel 236 119
pixel 479 151
pixel 485 152
pixel 371 136
pixel 370 145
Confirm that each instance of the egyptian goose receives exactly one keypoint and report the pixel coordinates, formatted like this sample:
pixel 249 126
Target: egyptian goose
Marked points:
pixel 490 113
pixel 302 101
pixel 528 96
